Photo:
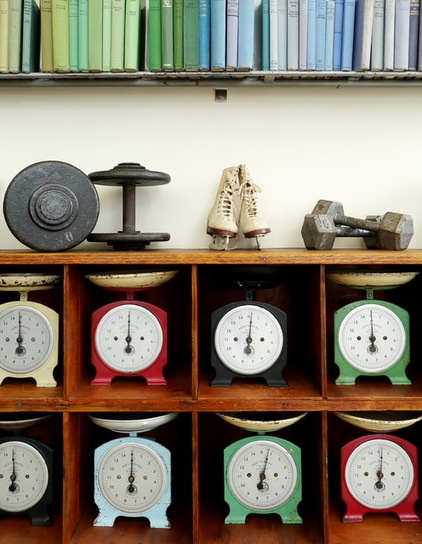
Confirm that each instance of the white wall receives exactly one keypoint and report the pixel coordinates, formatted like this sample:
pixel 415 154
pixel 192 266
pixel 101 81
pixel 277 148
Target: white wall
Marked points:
pixel 361 146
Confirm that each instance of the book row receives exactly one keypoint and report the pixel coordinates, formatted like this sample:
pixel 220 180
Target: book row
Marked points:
pixel 209 35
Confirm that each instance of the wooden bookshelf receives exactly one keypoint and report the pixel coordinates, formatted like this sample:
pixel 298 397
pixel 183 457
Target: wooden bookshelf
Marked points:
pixel 198 435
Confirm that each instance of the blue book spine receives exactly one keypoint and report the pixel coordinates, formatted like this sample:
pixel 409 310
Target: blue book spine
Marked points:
pixel 311 53
pixel 329 35
pixel 338 33
pixel 204 34
pixel 265 34
pixel 348 33
pixel 321 23
pixel 246 35
pixel 218 34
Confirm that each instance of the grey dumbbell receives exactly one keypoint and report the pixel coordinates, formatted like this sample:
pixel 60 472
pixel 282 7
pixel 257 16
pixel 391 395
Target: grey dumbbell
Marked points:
pixel 392 231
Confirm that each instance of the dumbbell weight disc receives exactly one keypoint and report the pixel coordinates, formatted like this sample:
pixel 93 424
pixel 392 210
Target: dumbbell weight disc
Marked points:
pixel 51 206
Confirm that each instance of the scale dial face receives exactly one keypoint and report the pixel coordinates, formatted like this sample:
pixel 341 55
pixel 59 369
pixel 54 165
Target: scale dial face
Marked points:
pixel 262 475
pixel 26 339
pixel 248 339
pixel 23 476
pixel 129 338
pixel 372 338
pixel 379 474
pixel 132 477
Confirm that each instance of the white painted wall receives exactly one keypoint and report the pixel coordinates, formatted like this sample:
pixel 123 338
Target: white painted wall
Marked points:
pixel 361 146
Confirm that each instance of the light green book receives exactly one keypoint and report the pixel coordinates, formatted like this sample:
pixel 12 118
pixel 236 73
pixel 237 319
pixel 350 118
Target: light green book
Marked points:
pixel 154 35
pixel 83 36
pixel 60 28
pixel 107 35
pixel 46 36
pixel 74 35
pixel 15 35
pixel 4 36
pixel 117 35
pixel 132 35
pixel 31 36
pixel 167 34
pixel 95 35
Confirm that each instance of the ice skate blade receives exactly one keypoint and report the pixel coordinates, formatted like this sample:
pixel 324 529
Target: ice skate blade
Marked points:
pixel 223 243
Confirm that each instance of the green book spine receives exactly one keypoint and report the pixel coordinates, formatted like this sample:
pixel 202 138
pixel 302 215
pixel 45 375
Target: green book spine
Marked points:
pixel 132 35
pixel 117 35
pixel 46 36
pixel 60 21
pixel 106 35
pixel 95 35
pixel 167 34
pixel 154 35
pixel 191 35
pixel 178 34
pixel 4 36
pixel 83 36
pixel 74 35
pixel 15 35
pixel 31 37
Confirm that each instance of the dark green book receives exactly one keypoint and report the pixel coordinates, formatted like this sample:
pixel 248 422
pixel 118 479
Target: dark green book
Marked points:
pixel 31 36
pixel 178 34
pixel 154 35
pixel 191 35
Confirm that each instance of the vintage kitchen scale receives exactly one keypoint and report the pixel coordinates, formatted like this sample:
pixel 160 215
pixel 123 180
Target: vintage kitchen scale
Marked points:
pixel 29 330
pixel 129 337
pixel 248 337
pixel 132 475
pixel 371 337
pixel 129 176
pixel 379 471
pixel 262 473
pixel 26 469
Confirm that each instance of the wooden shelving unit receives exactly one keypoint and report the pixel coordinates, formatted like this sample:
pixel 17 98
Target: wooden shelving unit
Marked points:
pixel 198 436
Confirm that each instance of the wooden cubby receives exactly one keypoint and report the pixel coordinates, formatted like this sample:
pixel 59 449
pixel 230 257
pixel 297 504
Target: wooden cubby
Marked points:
pixel 198 436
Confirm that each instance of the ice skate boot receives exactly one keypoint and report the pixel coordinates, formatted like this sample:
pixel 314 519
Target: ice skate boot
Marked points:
pixel 252 221
pixel 224 215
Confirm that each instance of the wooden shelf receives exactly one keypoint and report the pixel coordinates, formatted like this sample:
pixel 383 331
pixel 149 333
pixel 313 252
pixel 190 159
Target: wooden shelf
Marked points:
pixel 197 437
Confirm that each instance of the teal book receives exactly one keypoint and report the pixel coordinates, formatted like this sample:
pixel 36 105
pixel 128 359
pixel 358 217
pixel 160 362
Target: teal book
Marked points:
pixel 154 35
pixel 132 35
pixel 178 34
pixel 265 21
pixel 83 35
pixel 74 35
pixel 118 13
pixel 245 53
pixel 106 35
pixel 167 34
pixel 4 36
pixel 282 34
pixel 15 36
pixel 191 35
pixel 204 34
pixel 218 35
pixel 60 22
pixel 31 36
pixel 95 35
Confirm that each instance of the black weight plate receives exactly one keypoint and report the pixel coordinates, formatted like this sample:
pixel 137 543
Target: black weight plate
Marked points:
pixel 51 206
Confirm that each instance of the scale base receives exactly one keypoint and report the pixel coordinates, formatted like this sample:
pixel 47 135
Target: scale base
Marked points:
pixel 396 375
pixel 122 241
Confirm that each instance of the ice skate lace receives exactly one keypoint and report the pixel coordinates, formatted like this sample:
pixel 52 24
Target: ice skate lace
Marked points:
pixel 249 194
pixel 225 201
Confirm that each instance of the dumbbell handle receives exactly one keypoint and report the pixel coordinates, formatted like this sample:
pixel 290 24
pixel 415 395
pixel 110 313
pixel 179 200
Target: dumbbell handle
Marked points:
pixel 365 224
pixel 351 232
